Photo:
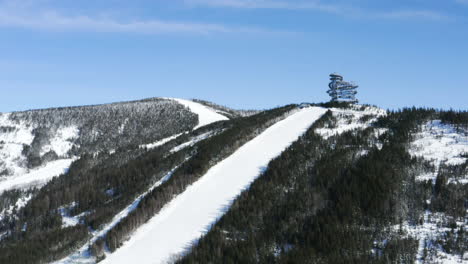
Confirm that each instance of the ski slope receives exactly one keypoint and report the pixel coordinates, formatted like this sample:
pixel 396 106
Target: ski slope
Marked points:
pixel 190 215
pixel 205 114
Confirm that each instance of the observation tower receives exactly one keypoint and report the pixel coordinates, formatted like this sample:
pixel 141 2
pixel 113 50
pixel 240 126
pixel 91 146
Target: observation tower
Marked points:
pixel 340 90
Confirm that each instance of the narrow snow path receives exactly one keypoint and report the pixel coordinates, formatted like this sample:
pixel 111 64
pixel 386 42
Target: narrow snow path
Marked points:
pixel 190 214
pixel 160 142
pixel 37 176
pixel 205 114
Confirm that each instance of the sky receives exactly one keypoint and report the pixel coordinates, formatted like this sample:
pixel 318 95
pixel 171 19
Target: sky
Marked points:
pixel 245 54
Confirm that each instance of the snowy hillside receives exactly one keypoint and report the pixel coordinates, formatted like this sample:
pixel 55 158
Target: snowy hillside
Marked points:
pixel 30 140
pixel 174 180
pixel 191 213
pixel 357 118
pixel 442 145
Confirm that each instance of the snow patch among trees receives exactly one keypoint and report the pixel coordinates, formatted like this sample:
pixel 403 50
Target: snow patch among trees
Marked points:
pixel 62 142
pixel 440 143
pixel 18 205
pixel 359 117
pixel 13 137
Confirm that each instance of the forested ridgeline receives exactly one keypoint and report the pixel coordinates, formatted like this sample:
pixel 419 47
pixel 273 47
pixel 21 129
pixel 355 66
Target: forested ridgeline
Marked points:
pixel 205 154
pixel 100 127
pixel 457 118
pixel 328 201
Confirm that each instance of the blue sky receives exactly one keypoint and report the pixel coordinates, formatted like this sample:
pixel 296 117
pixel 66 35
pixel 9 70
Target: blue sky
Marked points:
pixel 240 53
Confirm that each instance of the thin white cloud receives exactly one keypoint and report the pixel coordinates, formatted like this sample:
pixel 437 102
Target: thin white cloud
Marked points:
pixel 415 14
pixel 56 21
pixel 268 4
pixel 463 2
pixel 13 14
pixel 337 9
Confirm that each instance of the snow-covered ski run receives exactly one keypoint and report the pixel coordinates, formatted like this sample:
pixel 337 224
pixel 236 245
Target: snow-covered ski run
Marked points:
pixel 205 114
pixel 188 216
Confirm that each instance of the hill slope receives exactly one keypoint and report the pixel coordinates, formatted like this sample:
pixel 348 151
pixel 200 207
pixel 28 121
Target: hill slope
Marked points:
pixel 358 184
pixel 188 216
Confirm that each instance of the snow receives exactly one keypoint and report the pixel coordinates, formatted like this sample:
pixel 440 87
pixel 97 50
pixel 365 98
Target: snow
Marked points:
pixel 67 219
pixel 431 230
pixel 37 176
pixel 440 143
pixel 192 141
pixel 160 142
pixel 61 143
pixel 206 115
pixel 190 215
pixel 83 255
pixel 11 144
pixel 349 119
pixel 18 205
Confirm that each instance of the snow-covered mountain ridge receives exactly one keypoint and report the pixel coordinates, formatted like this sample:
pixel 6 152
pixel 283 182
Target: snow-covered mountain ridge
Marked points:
pixel 31 140
pixel 163 180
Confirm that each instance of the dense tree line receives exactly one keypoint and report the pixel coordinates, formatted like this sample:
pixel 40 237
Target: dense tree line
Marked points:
pixel 457 118
pixel 450 198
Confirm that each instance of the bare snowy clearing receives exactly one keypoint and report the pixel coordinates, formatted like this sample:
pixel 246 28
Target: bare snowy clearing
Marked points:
pixel 349 119
pixel 440 143
pixel 12 138
pixel 62 142
pixel 431 230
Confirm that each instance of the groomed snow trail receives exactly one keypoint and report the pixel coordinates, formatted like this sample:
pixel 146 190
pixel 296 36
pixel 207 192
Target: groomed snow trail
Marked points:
pixel 190 214
pixel 205 114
